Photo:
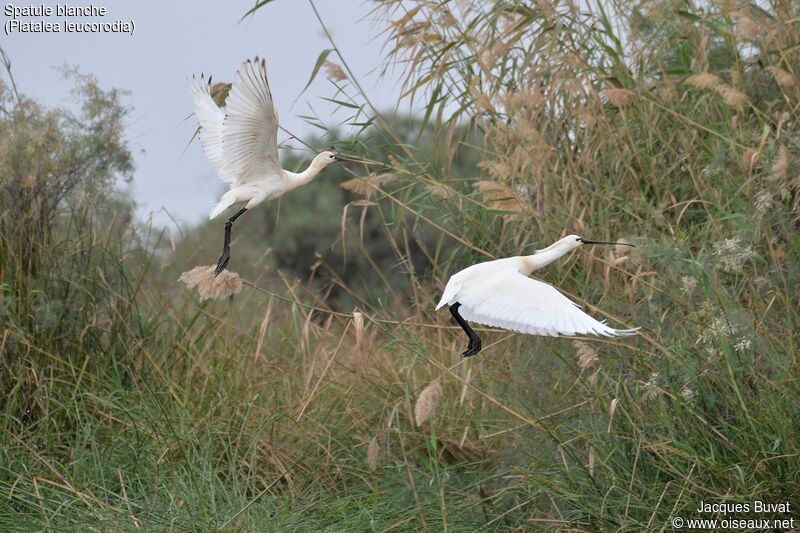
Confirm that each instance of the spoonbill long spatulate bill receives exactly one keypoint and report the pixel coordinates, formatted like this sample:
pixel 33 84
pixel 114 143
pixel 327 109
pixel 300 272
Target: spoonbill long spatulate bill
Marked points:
pixel 240 141
pixel 499 293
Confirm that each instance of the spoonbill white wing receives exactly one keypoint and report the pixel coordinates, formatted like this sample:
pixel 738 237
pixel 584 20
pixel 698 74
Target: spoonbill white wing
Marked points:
pixel 507 299
pixel 211 119
pixel 250 130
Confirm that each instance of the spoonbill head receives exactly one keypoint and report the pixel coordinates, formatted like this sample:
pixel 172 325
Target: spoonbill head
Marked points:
pixel 499 293
pixel 323 159
pixel 570 242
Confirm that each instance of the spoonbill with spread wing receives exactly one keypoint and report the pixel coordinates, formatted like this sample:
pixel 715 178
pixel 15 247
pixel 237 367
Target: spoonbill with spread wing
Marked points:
pixel 499 293
pixel 241 143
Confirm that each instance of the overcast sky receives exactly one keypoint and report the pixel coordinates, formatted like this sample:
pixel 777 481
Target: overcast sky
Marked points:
pixel 173 40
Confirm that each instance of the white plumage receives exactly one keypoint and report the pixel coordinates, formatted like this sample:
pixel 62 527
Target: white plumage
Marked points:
pixel 499 293
pixel 241 143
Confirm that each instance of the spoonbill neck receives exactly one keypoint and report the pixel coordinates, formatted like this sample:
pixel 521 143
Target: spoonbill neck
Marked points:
pixel 308 174
pixel 542 258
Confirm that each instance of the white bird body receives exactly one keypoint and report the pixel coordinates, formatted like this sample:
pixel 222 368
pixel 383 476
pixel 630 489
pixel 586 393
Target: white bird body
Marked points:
pixel 499 293
pixel 240 141
pixel 269 187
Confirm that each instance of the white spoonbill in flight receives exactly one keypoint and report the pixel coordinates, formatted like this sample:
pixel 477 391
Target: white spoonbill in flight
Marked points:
pixel 499 293
pixel 240 141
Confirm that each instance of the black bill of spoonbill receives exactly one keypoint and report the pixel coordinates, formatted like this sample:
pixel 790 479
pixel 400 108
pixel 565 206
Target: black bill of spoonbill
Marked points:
pixel 501 294
pixel 240 141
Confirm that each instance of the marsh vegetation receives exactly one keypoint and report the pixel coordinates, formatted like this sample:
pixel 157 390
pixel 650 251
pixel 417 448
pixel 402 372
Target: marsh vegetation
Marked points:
pixel 326 394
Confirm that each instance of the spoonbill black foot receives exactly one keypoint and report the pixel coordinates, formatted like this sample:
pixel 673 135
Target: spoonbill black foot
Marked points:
pixel 226 245
pixel 222 263
pixel 474 345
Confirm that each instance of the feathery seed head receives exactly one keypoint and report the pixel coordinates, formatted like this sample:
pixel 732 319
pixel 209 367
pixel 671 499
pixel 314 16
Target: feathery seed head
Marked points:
pixel 747 28
pixel 687 392
pixel 731 96
pixel 782 77
pixel 427 402
pixel 705 80
pixel 619 97
pixel 195 276
pixel 764 201
pixel 372 454
pixel 733 254
pixel 484 102
pixel 226 284
pixel 529 99
pixel 334 71
pixel 720 327
pixel 743 344
pixel 27 181
pixel 780 167
pixel 367 186
pixel 219 92
pixel 651 390
pixel 586 354
pixel 209 287
pixel 440 190
pixel 688 284
pixel 500 196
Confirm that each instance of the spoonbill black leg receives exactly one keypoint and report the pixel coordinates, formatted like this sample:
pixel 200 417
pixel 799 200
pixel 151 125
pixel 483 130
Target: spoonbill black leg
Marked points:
pixel 474 345
pixel 226 246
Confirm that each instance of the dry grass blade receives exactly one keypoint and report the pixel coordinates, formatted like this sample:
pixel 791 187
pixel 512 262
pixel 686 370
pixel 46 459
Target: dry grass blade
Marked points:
pixel 262 331
pixel 611 410
pixel 358 327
